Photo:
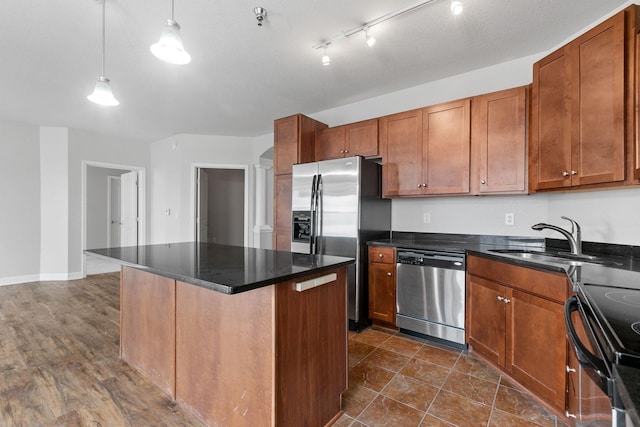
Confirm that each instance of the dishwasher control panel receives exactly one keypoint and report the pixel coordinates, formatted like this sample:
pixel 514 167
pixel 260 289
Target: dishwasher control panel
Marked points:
pixel 450 260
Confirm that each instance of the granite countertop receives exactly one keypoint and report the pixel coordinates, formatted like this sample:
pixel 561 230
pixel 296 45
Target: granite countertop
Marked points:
pixel 620 267
pixel 221 268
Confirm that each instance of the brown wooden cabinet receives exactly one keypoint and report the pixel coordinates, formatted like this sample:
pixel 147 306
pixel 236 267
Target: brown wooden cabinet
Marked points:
pixel 382 285
pixel 515 320
pixel 578 111
pixel 294 141
pixel 427 151
pixel 354 139
pixel 499 142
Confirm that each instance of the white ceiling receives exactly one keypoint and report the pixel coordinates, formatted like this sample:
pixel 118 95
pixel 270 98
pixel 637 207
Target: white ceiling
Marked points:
pixel 242 76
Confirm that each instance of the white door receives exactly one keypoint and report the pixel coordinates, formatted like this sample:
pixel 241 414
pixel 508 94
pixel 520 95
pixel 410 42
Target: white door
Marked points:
pixel 114 212
pixel 202 215
pixel 129 209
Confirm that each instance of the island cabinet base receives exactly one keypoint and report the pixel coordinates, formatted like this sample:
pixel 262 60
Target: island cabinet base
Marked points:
pixel 272 356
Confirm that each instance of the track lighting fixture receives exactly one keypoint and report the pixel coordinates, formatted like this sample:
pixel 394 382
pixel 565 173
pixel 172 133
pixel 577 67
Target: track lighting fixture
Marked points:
pixel 102 93
pixel 369 38
pixel 170 48
pixel 326 60
pixel 456 7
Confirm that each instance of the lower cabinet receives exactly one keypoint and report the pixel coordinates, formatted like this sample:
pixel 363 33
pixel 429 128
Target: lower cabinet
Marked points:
pixel 382 285
pixel 515 319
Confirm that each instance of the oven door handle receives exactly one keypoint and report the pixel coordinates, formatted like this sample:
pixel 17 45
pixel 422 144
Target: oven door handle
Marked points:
pixel 585 357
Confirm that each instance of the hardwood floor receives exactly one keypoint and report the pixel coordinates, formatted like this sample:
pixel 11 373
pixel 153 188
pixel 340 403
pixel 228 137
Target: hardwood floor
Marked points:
pixel 59 366
pixel 59 362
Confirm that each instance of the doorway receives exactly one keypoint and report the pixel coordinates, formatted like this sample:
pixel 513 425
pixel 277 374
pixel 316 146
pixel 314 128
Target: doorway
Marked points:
pixel 221 205
pixel 112 211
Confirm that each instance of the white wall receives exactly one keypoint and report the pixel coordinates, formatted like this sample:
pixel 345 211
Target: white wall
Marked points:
pixel 172 183
pixel 20 202
pixel 54 203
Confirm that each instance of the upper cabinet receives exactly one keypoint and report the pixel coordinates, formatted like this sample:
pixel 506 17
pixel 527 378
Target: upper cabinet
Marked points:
pixel 499 142
pixel 294 139
pixel 578 111
pixel 426 151
pixel 355 139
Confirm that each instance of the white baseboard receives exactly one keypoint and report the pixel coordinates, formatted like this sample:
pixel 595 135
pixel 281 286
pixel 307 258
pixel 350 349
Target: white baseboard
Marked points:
pixel 39 278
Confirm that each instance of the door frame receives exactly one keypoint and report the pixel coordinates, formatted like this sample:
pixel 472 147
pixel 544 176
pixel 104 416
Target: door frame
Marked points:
pixel 142 206
pixel 194 196
pixel 109 197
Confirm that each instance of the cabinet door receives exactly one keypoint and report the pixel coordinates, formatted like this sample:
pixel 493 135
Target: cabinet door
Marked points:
pixel 330 143
pixel 286 132
pixel 401 143
pixel 282 212
pixel 362 139
pixel 446 139
pixel 536 346
pixel 499 139
pixel 485 318
pixel 597 66
pixel 550 148
pixel 382 292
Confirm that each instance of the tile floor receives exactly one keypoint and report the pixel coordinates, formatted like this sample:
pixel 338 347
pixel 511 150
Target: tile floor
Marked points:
pixel 398 380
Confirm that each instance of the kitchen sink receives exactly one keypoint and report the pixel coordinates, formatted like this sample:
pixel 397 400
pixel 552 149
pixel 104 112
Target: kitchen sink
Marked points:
pixel 563 258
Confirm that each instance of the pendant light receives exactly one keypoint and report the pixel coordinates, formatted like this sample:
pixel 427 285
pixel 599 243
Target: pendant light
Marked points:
pixel 169 48
pixel 102 93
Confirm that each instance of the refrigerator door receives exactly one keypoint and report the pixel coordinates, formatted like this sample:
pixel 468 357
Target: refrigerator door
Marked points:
pixel 301 199
pixel 340 197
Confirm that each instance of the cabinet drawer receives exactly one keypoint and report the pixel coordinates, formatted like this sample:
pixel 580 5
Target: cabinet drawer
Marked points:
pixel 385 255
pixel 553 286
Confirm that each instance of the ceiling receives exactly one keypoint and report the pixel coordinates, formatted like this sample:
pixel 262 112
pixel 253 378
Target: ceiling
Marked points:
pixel 242 76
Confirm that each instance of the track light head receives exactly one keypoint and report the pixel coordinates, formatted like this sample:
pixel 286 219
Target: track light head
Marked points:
pixel 326 60
pixel 369 38
pixel 261 14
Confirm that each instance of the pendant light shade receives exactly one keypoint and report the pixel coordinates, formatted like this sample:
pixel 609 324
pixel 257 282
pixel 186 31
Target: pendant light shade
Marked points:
pixel 170 48
pixel 102 93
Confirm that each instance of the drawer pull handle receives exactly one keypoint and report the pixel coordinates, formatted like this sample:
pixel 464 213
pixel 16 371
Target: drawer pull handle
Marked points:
pixel 314 283
pixel 380 255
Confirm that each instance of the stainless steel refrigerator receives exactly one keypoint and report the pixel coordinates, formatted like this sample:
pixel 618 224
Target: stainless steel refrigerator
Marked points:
pixel 336 208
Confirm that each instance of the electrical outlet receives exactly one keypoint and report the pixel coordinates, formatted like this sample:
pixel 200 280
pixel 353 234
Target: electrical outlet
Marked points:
pixel 509 219
pixel 426 218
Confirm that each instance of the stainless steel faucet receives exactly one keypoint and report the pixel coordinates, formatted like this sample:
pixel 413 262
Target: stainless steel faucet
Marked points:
pixel 574 237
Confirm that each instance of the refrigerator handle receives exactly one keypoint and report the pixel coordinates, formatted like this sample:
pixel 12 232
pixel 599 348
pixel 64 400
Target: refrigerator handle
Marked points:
pixel 312 209
pixel 319 215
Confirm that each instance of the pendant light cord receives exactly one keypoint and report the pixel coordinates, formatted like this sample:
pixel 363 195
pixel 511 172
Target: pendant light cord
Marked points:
pixel 104 3
pixel 172 8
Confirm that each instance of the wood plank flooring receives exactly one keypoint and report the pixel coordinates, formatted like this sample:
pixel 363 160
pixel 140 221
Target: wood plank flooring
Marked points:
pixel 59 366
pixel 59 362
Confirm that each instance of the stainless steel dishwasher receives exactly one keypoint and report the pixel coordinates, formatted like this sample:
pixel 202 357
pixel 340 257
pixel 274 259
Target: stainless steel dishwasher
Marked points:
pixel 430 293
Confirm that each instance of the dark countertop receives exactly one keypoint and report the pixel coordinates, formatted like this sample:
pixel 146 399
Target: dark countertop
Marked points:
pixel 221 268
pixel 629 389
pixel 620 268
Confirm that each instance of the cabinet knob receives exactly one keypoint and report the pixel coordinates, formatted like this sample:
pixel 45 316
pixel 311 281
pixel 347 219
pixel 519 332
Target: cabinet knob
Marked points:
pixel 568 369
pixel 419 185
pixel 507 300
pixel 389 273
pixel 482 181
pixel 568 415
pixel 380 255
pixel 565 173
pixel 346 151
pixel 500 298
pixel 574 172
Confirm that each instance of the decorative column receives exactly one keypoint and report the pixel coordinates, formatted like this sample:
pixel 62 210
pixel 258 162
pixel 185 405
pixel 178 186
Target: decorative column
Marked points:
pixel 262 233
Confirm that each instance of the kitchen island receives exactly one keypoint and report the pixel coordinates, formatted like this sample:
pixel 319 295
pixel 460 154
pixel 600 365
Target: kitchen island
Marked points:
pixel 240 336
